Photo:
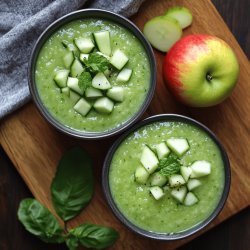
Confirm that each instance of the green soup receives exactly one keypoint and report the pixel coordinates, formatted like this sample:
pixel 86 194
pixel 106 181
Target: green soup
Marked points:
pixel 165 215
pixel 61 107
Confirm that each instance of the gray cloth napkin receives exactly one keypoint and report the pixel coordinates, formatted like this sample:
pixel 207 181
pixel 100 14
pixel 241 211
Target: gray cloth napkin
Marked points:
pixel 21 23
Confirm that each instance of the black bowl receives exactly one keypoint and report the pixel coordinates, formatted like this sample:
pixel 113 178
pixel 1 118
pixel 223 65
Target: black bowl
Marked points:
pixel 85 14
pixel 164 236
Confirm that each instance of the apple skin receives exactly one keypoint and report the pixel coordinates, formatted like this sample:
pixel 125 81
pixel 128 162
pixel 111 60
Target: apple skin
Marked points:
pixel 200 70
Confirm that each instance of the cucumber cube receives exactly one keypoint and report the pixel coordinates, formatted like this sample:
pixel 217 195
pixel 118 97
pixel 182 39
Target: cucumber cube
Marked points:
pixel 76 68
pixel 176 180
pixel 149 160
pixel 200 169
pixel 186 172
pixel 190 199
pixel 141 175
pixel 193 183
pixel 73 84
pixel 93 93
pixel 179 193
pixel 124 75
pixel 157 192
pixel 85 45
pixel 65 91
pixel 100 53
pixel 84 57
pixel 68 59
pixel 116 93
pixel 118 59
pixel 104 105
pixel 162 150
pixel 178 145
pixel 100 81
pixel 102 39
pixel 73 96
pixel 82 107
pixel 61 78
pixel 158 180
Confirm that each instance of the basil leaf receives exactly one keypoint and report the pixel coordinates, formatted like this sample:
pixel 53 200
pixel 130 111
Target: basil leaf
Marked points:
pixel 84 81
pixel 96 63
pixel 39 221
pixel 73 185
pixel 72 243
pixel 94 236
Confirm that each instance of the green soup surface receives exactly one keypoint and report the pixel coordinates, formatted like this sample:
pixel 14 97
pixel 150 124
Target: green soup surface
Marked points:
pixel 165 215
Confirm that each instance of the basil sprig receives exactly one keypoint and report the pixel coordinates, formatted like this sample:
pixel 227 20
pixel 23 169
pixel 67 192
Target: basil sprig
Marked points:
pixel 72 189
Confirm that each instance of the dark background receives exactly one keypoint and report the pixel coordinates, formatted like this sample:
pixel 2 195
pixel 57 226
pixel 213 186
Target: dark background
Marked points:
pixel 234 234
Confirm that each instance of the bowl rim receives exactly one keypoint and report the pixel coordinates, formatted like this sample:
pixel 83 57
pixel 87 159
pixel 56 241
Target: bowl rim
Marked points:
pixel 87 14
pixel 165 236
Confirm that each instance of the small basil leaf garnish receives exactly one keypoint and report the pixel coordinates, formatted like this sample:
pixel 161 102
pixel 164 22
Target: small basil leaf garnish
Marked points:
pixel 39 221
pixel 73 185
pixel 94 236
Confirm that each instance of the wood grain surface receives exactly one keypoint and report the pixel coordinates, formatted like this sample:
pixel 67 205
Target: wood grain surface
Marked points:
pixel 35 147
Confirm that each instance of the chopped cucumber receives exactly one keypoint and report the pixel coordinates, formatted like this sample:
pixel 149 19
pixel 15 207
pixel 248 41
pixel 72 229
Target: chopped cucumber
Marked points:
pixel 178 145
pixel 179 193
pixel 193 183
pixel 162 32
pixel 73 96
pixel 68 59
pixel 71 47
pixel 190 199
pixel 141 175
pixel 186 172
pixel 61 78
pixel 200 168
pixel 158 180
pixel 149 160
pixel 176 180
pixel 85 45
pixel 82 107
pixel 100 81
pixel 166 188
pixel 116 93
pixel 157 192
pixel 118 59
pixel 93 93
pixel 181 14
pixel 162 150
pixel 100 53
pixel 76 68
pixel 107 72
pixel 104 105
pixel 65 91
pixel 124 75
pixel 102 39
pixel 83 57
pixel 73 84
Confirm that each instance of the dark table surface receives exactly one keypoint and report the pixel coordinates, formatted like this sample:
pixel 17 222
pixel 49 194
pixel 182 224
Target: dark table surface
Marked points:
pixel 233 234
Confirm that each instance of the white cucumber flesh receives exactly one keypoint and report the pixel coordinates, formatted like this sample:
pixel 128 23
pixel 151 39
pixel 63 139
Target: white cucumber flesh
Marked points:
pixel 186 172
pixel 82 107
pixel 180 14
pixel 85 45
pixel 100 82
pixel 65 91
pixel 104 105
pixel 157 179
pixel 193 183
pixel 190 199
pixel 200 169
pixel 76 68
pixel 83 57
pixel 68 59
pixel 149 160
pixel 118 59
pixel 124 75
pixel 162 32
pixel 178 145
pixel 162 150
pixel 141 175
pixel 102 39
pixel 176 180
pixel 93 93
pixel 72 83
pixel 179 193
pixel 116 93
pixel 61 78
pixel 157 192
pixel 73 96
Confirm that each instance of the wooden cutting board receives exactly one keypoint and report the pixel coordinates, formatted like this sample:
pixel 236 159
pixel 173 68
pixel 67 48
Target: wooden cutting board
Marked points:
pixel 35 147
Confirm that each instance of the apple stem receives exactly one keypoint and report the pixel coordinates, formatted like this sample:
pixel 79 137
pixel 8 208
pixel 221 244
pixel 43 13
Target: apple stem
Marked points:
pixel 209 77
